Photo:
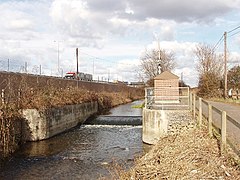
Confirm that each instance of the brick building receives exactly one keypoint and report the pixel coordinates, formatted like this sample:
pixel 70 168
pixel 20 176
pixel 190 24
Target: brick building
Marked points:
pixel 166 88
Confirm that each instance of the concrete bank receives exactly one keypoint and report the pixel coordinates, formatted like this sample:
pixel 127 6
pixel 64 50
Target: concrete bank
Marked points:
pixel 160 123
pixel 45 124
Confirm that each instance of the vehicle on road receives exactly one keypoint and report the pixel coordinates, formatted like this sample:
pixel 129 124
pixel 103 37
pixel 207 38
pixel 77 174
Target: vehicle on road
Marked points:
pixel 78 76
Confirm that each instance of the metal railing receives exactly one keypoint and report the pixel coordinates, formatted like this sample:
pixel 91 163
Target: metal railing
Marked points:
pixel 167 98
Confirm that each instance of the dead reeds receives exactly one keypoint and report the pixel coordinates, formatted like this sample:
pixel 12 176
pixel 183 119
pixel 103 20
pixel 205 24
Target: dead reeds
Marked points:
pixel 191 154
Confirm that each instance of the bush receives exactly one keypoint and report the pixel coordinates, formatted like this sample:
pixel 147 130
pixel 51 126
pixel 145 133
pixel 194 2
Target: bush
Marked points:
pixel 209 86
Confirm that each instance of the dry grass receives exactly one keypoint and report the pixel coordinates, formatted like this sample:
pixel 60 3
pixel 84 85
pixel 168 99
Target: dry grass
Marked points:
pixel 228 100
pixel 55 97
pixel 189 155
pixel 42 99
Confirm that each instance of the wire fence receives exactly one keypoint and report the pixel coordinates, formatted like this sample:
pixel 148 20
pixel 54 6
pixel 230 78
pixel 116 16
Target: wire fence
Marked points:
pixel 105 74
pixel 13 84
pixel 26 67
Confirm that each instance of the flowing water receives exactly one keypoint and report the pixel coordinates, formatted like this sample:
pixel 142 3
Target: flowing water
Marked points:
pixel 85 152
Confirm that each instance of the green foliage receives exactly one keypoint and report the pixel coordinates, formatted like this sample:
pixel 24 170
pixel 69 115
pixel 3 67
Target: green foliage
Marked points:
pixel 138 106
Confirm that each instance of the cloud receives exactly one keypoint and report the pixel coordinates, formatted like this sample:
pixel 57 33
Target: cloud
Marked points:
pixel 115 31
pixel 92 23
pixel 20 24
pixel 184 11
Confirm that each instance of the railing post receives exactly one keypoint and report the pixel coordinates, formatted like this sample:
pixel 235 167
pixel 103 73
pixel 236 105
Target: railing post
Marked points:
pixel 190 102
pixel 200 112
pixel 194 106
pixel 223 131
pixel 210 120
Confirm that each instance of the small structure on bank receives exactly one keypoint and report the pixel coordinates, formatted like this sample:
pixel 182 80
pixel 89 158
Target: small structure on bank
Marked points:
pixel 166 88
pixel 161 104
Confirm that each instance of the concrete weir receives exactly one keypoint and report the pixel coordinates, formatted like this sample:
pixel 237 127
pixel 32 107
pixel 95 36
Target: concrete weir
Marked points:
pixel 155 125
pixel 45 124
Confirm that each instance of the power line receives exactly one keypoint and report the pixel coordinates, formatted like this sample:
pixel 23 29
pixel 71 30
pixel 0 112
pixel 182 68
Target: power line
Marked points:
pixel 219 42
pixel 222 37
pixel 109 61
pixel 234 29
pixel 234 34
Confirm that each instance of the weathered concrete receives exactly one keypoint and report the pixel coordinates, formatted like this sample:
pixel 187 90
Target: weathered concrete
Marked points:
pixel 159 123
pixel 43 125
pixel 155 125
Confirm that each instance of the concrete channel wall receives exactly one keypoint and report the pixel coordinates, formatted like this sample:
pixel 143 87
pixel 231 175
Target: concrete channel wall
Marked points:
pixel 160 123
pixel 42 125
pixel 154 125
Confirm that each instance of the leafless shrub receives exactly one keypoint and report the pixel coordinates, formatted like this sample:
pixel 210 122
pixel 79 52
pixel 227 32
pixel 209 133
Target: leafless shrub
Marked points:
pixel 210 70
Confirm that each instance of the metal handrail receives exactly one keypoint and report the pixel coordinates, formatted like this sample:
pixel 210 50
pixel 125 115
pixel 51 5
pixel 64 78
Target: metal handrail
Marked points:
pixel 169 96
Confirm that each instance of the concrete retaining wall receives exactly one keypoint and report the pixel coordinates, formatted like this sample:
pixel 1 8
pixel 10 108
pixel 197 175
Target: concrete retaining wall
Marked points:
pixel 43 125
pixel 155 125
pixel 159 123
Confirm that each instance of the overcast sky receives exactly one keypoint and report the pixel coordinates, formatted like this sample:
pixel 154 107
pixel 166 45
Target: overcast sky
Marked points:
pixel 111 35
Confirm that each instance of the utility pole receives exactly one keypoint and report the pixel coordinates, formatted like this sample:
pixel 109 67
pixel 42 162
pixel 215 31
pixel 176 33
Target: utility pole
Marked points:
pixel 159 51
pixel 77 59
pixel 108 75
pixel 225 65
pixel 58 56
pixel 8 65
pixel 182 79
pixel 159 70
pixel 40 69
pixel 93 67
pixel 25 67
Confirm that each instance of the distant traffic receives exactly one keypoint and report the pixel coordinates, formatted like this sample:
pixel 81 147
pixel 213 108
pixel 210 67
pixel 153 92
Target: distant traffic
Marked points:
pixel 79 76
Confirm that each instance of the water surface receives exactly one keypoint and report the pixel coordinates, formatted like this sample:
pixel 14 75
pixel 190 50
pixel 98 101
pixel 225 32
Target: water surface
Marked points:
pixel 84 152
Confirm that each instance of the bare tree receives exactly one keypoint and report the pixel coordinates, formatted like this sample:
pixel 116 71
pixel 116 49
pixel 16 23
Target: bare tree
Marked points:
pixel 234 77
pixel 210 69
pixel 208 60
pixel 150 62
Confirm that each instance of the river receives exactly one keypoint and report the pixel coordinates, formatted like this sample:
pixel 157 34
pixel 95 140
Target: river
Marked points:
pixel 84 152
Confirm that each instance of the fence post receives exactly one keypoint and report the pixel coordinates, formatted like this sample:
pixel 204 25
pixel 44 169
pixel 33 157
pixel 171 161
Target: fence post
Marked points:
pixel 2 96
pixel 200 112
pixel 190 102
pixel 194 106
pixel 210 120
pixel 223 131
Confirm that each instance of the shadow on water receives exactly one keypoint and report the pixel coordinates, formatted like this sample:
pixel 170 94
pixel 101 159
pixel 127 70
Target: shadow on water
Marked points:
pixel 82 153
